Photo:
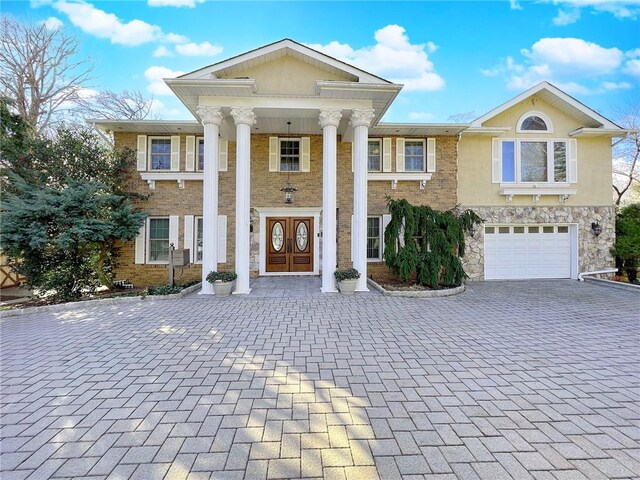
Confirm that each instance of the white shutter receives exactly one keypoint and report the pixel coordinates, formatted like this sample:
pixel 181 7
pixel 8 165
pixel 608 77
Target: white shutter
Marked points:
pixel 175 153
pixel 386 154
pixel 173 230
pixel 222 239
pixel 188 236
pixel 431 154
pixel 399 154
pixel 224 154
pixel 141 242
pixel 142 153
pixel 305 154
pixel 496 167
pixel 386 219
pixel 572 161
pixel 274 153
pixel 190 153
pixel 353 161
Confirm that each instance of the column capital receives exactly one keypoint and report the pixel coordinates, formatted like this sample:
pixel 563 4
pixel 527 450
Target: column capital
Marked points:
pixel 210 115
pixel 329 117
pixel 243 115
pixel 361 117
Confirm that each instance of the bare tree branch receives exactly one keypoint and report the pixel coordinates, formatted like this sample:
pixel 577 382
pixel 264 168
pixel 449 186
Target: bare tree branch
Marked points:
pixel 127 104
pixel 626 154
pixel 38 70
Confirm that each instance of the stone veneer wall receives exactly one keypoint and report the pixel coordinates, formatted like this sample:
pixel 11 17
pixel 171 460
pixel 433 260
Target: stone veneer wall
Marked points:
pixel 593 252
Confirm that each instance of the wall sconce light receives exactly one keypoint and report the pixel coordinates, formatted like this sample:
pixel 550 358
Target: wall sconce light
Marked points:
pixel 596 228
pixel 288 190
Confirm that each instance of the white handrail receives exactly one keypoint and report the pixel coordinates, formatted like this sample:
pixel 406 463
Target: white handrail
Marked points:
pixel 581 275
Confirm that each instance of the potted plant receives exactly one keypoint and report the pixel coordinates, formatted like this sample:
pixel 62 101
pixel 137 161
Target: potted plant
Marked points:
pixel 222 282
pixel 347 279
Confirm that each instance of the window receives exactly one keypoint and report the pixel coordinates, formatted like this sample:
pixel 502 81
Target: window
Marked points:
pixel 373 238
pixel 198 243
pixel 529 161
pixel 375 155
pixel 200 152
pixel 534 122
pixel 160 153
pixel 289 155
pixel 414 155
pixel 158 240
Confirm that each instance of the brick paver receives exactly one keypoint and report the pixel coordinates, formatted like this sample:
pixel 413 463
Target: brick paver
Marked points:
pixel 508 380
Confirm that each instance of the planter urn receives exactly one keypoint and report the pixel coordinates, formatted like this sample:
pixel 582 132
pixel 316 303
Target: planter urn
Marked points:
pixel 222 289
pixel 348 286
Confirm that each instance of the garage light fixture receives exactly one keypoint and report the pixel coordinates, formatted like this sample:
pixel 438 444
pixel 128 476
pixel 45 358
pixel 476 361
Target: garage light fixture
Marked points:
pixel 596 228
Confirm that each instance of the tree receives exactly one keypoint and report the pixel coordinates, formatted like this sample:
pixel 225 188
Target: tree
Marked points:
pixel 626 154
pixel 127 104
pixel 427 243
pixel 627 246
pixel 38 70
pixel 61 239
pixel 67 201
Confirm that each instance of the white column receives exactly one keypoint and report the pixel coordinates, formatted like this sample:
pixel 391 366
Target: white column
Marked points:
pixel 244 118
pixel 329 121
pixel 211 119
pixel 360 121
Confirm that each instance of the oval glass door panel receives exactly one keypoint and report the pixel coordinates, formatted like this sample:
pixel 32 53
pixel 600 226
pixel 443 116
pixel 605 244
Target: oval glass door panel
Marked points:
pixel 277 236
pixel 302 236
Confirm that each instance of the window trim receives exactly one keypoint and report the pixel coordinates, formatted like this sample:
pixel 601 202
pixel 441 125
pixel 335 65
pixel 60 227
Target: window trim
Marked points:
pixel 380 237
pixel 148 240
pixel 150 139
pixel 196 154
pixel 533 113
pixel 424 154
pixel 290 139
pixel 550 161
pixel 197 218
pixel 379 141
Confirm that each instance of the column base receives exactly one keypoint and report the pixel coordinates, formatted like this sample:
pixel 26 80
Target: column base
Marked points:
pixel 238 292
pixel 207 289
pixel 328 290
pixel 365 289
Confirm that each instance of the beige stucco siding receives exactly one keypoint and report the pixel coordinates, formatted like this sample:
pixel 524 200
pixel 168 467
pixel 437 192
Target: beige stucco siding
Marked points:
pixel 288 75
pixel 474 162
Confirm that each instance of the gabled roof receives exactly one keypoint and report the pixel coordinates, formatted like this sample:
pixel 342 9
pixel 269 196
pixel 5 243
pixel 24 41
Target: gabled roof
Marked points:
pixel 557 98
pixel 252 58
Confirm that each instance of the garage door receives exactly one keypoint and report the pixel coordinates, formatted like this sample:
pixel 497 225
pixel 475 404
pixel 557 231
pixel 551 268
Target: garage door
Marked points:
pixel 527 251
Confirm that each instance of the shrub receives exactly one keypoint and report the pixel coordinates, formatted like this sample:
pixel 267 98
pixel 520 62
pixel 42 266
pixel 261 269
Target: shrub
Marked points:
pixel 346 274
pixel 221 277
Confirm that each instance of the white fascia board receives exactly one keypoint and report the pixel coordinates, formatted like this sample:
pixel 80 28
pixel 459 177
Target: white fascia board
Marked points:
pixel 602 132
pixel 555 91
pixel 488 131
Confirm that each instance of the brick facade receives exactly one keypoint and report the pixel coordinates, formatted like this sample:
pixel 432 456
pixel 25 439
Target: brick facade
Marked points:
pixel 167 199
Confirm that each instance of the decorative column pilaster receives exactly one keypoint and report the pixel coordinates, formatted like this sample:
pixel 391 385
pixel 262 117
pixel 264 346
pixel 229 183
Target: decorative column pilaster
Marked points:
pixel 244 119
pixel 360 121
pixel 329 119
pixel 211 118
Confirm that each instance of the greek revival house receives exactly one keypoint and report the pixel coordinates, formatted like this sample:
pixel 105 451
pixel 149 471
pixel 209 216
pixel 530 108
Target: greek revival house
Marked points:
pixel 287 167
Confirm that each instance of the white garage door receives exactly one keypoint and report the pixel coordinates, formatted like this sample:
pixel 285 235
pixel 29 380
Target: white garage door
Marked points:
pixel 527 251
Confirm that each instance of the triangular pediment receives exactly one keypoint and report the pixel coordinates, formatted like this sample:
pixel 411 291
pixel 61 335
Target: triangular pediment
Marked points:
pixel 555 97
pixel 285 51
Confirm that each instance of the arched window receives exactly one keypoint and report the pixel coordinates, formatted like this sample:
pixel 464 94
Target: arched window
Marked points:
pixel 534 122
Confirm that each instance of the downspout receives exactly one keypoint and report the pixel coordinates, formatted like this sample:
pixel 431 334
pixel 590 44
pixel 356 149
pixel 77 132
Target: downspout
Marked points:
pixel 595 272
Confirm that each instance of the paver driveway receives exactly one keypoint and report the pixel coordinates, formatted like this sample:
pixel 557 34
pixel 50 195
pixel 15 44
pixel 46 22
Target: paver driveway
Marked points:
pixel 522 380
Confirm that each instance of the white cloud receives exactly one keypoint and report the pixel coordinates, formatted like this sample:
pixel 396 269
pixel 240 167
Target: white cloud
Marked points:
pixel 175 38
pixel 632 67
pixel 393 57
pixel 53 23
pixel 515 5
pixel 155 75
pixel 566 17
pixel 204 49
pixel 420 116
pixel 618 8
pixel 162 51
pixel 572 64
pixel 174 3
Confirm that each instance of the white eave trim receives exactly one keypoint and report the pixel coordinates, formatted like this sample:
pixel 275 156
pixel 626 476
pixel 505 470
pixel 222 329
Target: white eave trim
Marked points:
pixel 587 132
pixel 164 127
pixel 179 177
pixel 395 177
pixel 536 190
pixel 488 131
pixel 248 84
pixel 555 91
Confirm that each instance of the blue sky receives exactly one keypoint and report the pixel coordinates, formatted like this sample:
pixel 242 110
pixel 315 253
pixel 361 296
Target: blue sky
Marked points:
pixel 454 57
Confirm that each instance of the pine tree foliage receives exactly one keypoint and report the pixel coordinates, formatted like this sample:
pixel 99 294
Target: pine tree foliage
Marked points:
pixel 427 243
pixel 62 239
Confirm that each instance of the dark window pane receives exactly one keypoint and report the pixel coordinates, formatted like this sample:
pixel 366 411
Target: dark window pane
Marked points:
pixel 533 157
pixel 201 154
pixel 373 237
pixel 534 123
pixel 160 154
pixel 508 162
pixel 559 162
pixel 374 155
